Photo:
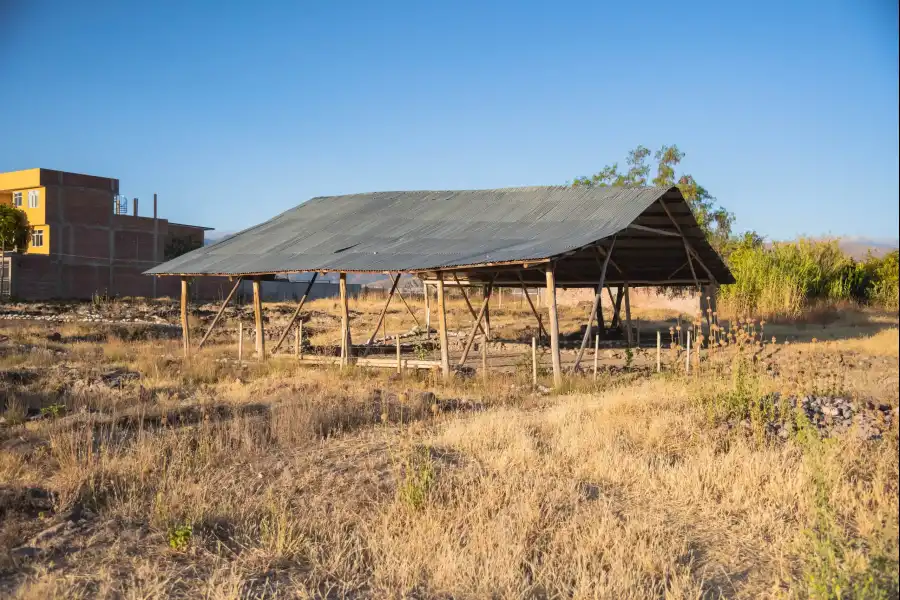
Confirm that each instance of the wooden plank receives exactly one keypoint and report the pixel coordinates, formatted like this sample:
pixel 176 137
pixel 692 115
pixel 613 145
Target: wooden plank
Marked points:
pixel 554 327
pixel 468 304
pixel 587 332
pixel 345 322
pixel 442 329
pixel 219 314
pixel 185 325
pixel 296 313
pixel 383 310
pixel 257 316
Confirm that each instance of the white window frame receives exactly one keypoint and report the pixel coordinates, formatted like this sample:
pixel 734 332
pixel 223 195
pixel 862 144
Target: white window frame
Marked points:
pixel 17 199
pixel 33 198
pixel 37 235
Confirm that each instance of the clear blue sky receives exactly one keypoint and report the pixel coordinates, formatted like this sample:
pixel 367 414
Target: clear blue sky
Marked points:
pixel 788 111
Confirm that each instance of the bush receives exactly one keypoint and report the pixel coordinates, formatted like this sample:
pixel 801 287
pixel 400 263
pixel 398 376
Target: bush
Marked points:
pixel 785 278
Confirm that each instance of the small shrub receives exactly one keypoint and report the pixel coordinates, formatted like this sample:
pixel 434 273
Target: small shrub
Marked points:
pixel 53 411
pixel 180 536
pixel 418 477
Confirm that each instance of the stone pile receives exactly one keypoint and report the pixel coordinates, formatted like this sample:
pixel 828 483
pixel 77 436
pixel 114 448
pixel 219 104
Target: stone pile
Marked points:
pixel 833 415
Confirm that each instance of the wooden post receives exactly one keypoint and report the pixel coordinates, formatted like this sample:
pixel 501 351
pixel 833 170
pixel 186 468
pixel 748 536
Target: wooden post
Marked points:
pixel 297 334
pixel 484 361
pixel 185 326
pixel 628 313
pixel 300 339
pixel 399 365
pixel 687 357
pixel 240 342
pixel 442 327
pixel 257 315
pixel 427 311
pixel 487 312
pixel 658 352
pixel 637 341
pixel 533 362
pixel 596 354
pixel 345 322
pixel 554 327
pixel 219 314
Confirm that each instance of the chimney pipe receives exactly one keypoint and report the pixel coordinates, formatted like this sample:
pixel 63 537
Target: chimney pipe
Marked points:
pixel 135 207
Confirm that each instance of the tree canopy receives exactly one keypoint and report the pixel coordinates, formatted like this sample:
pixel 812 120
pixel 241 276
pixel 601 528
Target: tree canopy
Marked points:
pixel 15 233
pixel 712 218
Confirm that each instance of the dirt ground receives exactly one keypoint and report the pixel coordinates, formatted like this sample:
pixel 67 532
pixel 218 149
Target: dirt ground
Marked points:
pixel 769 470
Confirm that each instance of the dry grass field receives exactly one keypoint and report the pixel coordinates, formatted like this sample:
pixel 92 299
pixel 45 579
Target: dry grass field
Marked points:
pixel 126 472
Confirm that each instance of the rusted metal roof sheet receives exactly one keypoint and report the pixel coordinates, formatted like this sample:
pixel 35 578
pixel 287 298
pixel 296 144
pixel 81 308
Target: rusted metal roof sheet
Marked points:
pixel 425 230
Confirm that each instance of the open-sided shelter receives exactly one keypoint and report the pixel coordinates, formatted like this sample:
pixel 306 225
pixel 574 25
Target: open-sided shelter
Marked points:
pixel 536 237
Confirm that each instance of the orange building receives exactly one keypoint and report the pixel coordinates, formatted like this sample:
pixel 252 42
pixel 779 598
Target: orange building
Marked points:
pixel 84 242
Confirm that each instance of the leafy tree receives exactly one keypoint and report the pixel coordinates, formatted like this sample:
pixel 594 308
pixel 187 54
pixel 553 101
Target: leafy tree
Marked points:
pixel 175 247
pixel 15 233
pixel 712 218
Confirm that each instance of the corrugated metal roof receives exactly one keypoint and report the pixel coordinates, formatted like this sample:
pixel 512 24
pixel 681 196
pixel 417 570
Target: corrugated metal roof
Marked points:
pixel 422 230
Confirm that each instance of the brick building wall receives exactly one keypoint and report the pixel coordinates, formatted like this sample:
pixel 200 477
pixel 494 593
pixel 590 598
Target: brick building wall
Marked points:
pixel 92 250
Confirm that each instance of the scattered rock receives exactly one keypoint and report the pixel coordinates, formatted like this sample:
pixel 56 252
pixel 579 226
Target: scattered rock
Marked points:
pixel 55 337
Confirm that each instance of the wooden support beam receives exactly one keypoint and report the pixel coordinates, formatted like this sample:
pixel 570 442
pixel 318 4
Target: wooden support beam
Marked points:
pixel 442 329
pixel 296 313
pixel 185 325
pixel 427 310
pixel 257 316
pixel 653 230
pixel 345 322
pixel 602 251
pixel 383 310
pixel 617 309
pixel 411 313
pixel 468 304
pixel 471 337
pixel 486 291
pixel 687 246
pixel 534 311
pixel 215 320
pixel 628 314
pixel 596 305
pixel 554 327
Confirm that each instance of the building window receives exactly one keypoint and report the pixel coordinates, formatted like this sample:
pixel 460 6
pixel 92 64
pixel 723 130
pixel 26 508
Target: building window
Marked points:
pixel 17 199
pixel 33 199
pixel 37 238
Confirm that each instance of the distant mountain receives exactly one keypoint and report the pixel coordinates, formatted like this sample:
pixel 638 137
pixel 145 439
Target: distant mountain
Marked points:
pixel 859 247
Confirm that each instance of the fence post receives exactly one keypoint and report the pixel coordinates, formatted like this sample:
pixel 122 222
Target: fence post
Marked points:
pixel 687 357
pixel 596 353
pixel 399 365
pixel 240 341
pixel 533 362
pixel 658 350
